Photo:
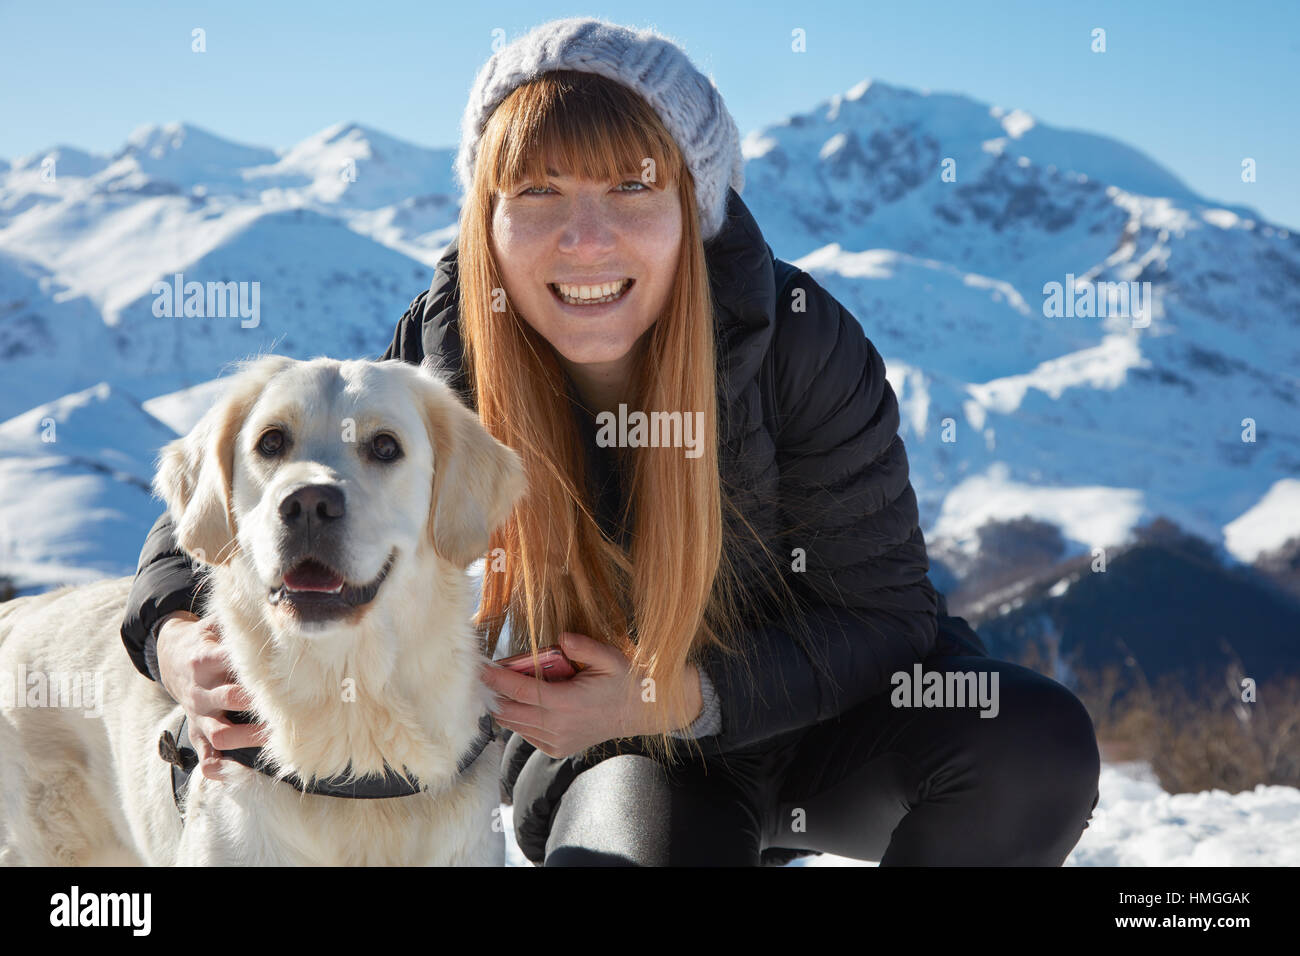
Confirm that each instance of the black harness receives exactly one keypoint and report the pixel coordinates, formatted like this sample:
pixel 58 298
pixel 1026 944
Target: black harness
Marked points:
pixel 178 750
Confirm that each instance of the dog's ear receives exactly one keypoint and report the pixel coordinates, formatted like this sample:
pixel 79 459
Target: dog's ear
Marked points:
pixel 477 480
pixel 196 471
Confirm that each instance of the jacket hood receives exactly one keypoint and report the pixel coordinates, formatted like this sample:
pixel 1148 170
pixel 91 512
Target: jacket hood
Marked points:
pixel 741 277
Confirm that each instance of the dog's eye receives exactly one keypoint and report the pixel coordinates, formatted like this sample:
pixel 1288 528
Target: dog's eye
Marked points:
pixel 384 447
pixel 271 442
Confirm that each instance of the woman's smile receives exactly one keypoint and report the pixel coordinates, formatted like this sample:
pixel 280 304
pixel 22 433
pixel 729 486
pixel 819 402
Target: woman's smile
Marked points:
pixel 595 299
pixel 590 265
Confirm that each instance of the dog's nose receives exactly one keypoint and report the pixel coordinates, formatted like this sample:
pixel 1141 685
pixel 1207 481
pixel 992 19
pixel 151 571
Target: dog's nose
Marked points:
pixel 312 502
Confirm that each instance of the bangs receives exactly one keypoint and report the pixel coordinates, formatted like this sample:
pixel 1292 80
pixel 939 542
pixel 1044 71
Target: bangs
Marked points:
pixel 576 124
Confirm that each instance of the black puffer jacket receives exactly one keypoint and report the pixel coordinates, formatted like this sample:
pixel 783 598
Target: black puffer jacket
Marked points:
pixel 810 442
pixel 810 438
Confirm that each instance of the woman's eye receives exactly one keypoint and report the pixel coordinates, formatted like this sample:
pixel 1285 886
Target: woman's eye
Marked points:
pixel 384 447
pixel 630 182
pixel 271 442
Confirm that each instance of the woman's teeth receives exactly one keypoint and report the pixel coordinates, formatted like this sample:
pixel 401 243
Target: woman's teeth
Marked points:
pixel 590 294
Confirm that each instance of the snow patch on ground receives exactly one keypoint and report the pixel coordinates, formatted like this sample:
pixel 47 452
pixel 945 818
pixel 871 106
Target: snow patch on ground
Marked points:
pixel 1137 824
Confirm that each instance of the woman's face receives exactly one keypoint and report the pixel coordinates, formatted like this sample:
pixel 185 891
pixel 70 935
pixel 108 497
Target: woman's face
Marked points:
pixel 577 232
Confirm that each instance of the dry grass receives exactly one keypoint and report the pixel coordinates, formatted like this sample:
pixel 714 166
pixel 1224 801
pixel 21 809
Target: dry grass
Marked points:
pixel 1197 740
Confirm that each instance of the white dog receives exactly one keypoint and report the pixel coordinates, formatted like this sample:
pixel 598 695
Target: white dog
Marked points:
pixel 338 504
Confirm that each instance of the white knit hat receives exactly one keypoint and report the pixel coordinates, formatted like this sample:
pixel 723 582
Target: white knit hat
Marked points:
pixel 687 101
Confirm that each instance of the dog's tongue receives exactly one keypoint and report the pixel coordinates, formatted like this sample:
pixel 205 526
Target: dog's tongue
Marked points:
pixel 311 576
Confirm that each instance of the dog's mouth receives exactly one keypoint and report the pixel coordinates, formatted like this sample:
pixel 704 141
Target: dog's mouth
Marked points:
pixel 314 591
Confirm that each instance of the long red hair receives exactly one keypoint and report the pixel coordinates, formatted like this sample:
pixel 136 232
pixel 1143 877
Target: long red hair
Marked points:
pixel 551 568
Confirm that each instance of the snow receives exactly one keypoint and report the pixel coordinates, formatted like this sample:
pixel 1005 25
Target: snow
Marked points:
pixel 1088 516
pixel 1062 402
pixel 52 341
pixel 1153 212
pixel 1137 824
pixel 68 161
pixel 182 155
pixel 1222 218
pixel 754 146
pixel 1102 367
pixel 176 193
pixel 1017 123
pixel 1267 525
pixel 75 488
pixel 858 90
pixel 833 145
pixel 365 167
pixel 181 410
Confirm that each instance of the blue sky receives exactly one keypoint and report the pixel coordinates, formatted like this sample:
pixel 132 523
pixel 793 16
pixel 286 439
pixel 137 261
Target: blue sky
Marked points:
pixel 1196 85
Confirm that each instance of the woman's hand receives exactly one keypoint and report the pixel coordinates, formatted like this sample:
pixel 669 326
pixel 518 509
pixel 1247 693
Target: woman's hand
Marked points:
pixel 597 704
pixel 194 670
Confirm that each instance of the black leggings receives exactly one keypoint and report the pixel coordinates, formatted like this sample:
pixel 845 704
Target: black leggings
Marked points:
pixel 902 786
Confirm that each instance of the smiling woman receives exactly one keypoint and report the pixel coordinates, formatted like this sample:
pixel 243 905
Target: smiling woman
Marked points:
pixel 658 571
pixel 583 212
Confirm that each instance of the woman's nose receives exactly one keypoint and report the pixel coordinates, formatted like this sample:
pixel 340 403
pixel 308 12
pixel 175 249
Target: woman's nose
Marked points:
pixel 587 225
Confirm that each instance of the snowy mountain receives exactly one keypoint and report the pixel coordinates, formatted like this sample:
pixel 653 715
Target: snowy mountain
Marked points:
pixel 358 167
pixel 1164 607
pixel 178 157
pixel 1091 423
pixel 942 223
pixel 75 494
pixel 322 289
pixel 51 342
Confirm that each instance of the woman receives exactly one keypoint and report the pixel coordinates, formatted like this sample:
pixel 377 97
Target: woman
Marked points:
pixel 743 596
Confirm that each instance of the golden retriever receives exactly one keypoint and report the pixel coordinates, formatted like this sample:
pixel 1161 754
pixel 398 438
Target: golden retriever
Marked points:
pixel 336 506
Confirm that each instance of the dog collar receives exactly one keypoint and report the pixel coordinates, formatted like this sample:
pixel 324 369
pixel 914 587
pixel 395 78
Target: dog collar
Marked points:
pixel 177 749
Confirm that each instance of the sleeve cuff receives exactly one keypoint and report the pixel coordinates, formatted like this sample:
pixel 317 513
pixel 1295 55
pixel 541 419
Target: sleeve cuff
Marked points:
pixel 151 653
pixel 710 720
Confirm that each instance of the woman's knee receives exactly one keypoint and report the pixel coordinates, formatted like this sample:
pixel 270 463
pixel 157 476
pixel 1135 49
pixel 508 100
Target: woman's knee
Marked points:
pixel 629 810
pixel 1030 732
pixel 1037 767
pixel 1043 739
pixel 612 814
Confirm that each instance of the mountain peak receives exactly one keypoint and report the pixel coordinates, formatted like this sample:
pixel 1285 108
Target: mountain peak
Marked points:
pixel 350 135
pixel 903 128
pixel 346 130
pixel 858 90
pixel 69 161
pixel 152 136
pixel 870 88
pixel 158 140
